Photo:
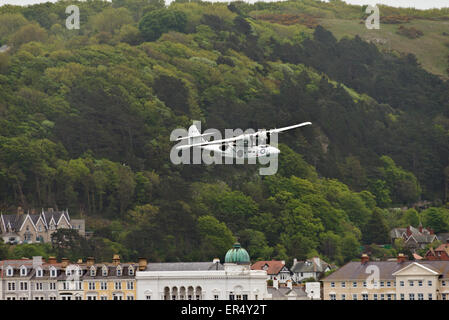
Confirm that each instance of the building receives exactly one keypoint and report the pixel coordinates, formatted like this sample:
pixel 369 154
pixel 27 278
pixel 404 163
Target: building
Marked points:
pixel 311 268
pixel 440 253
pixel 414 238
pixel 276 270
pixel 288 293
pixel 388 280
pixel 233 280
pixel 109 281
pixel 29 279
pixel 33 227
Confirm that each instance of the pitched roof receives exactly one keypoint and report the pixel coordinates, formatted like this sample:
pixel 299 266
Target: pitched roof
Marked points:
pixel 184 266
pixel 272 267
pixel 358 271
pixel 311 265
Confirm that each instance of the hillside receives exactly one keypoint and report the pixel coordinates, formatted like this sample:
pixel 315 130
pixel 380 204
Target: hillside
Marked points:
pixel 86 115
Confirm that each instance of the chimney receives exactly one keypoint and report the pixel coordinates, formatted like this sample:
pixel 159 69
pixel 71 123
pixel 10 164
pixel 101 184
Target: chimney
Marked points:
pixel 37 261
pixel 64 262
pixel 116 260
pixel 365 258
pixel 90 261
pixel 401 258
pixel 275 283
pixel 50 209
pixel 295 261
pixel 79 261
pixel 19 210
pixel 33 211
pixel 289 284
pixel 142 264
pixel 51 260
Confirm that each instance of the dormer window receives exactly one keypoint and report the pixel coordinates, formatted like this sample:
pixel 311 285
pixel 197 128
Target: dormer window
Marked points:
pixel 39 272
pixel 92 271
pixel 130 271
pixel 119 271
pixel 104 272
pixel 52 272
pixel 9 272
pixel 23 271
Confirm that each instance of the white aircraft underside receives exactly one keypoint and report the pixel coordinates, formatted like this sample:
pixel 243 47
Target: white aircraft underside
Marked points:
pixel 249 145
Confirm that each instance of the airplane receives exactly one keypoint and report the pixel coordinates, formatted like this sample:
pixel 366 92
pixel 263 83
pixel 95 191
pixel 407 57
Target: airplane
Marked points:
pixel 249 145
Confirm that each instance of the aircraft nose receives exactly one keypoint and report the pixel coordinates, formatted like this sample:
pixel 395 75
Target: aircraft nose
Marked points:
pixel 273 150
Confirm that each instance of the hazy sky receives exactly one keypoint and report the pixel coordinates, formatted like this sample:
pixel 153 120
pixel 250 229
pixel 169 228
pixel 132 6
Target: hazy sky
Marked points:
pixel 419 4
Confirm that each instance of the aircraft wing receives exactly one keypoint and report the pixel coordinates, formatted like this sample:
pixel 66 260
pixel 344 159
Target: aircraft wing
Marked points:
pixel 290 127
pixel 240 137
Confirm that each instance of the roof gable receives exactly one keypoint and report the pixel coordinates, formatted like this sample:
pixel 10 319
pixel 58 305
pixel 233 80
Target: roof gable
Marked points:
pixel 416 269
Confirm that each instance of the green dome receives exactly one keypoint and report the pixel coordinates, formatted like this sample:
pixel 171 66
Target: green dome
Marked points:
pixel 237 255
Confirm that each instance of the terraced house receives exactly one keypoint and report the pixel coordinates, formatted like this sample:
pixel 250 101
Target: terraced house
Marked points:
pixel 29 279
pixel 389 280
pixel 110 281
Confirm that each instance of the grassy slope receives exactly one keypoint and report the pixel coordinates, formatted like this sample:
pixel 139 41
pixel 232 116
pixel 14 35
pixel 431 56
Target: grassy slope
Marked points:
pixel 430 49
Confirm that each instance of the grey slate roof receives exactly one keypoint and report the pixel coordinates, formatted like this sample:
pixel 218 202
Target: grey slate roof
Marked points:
pixel 311 265
pixel 283 292
pixel 357 271
pixel 184 266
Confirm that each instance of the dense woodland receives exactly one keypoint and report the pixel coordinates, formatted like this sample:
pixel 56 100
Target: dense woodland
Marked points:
pixel 86 116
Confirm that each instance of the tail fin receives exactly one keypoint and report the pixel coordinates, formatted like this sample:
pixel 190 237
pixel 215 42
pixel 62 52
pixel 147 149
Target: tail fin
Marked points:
pixel 195 135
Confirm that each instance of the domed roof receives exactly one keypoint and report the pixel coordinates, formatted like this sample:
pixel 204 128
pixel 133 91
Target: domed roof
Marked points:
pixel 237 255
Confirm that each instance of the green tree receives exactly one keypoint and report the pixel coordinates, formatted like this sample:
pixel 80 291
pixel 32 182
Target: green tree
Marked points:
pixel 157 22
pixel 376 230
pixel 216 238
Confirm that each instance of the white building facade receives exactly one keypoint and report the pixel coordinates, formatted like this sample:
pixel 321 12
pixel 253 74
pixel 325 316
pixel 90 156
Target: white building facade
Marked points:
pixel 234 280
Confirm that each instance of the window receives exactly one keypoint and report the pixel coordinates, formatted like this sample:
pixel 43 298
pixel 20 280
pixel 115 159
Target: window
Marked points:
pixel 104 272
pixel 410 283
pixel 343 284
pixel 420 296
pixel 375 296
pixel 129 297
pixel 39 272
pixel 402 296
pixel 39 286
pixel 443 283
pixel 231 297
pixel 104 298
pixel 401 283
pixel 120 297
pixel 364 284
pixel 382 296
pixel 23 271
pixel 364 296
pixel 332 284
pixel 429 283
pixel 332 297
pixel 91 298
pixel 130 271
pixel 215 296
pixel 11 286
pixel 420 283
pixel 91 285
pixel 78 297
pixel 130 285
pixel 245 297
pixel 382 284
pixel 388 296
pixel 119 271
pixel 103 285
pixel 430 296
pixel 354 284
pixel 354 296
pixel 118 285
pixel 443 296
pixel 411 296
pixel 343 297
pixel 53 272
pixel 92 272
pixel 23 286
pixel 52 298
pixel 52 285
pixel 388 283
pixel 10 272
